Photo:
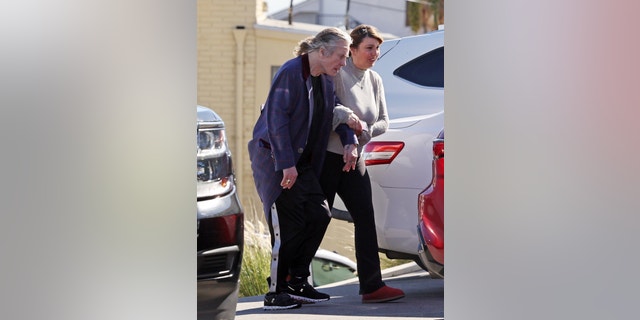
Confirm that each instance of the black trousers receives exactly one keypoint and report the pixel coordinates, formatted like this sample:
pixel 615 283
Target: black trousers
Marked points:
pixel 354 188
pixel 299 219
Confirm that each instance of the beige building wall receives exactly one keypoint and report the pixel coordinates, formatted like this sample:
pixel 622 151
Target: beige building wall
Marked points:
pixel 276 41
pixel 238 50
pixel 226 71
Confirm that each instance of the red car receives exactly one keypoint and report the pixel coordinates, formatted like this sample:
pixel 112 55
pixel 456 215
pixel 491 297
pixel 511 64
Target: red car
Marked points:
pixel 431 215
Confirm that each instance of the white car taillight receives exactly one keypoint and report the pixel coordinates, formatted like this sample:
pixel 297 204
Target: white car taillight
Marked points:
pixel 381 152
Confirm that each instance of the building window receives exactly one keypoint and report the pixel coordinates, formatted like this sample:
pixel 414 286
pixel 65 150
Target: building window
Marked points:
pixel 274 69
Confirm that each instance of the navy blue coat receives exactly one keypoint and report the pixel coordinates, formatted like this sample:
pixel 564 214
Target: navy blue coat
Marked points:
pixel 281 132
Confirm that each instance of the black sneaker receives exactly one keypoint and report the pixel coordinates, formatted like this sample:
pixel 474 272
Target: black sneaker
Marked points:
pixel 304 292
pixel 279 301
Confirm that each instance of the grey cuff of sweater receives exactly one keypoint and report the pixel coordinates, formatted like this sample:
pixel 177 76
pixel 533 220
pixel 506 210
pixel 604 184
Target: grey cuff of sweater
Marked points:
pixel 340 115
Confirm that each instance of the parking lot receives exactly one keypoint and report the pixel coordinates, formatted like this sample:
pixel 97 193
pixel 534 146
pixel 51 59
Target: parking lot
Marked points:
pixel 424 299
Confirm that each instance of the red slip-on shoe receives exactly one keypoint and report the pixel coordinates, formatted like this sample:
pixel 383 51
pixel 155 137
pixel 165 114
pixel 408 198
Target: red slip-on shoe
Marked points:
pixel 384 294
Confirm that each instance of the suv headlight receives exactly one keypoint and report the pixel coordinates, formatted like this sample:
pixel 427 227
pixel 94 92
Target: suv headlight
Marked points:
pixel 214 167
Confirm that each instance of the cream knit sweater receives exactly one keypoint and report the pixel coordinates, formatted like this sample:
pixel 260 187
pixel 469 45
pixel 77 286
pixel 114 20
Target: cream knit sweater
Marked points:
pixel 362 92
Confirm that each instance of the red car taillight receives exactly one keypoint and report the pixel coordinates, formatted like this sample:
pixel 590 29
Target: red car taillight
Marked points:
pixel 438 159
pixel 438 149
pixel 381 152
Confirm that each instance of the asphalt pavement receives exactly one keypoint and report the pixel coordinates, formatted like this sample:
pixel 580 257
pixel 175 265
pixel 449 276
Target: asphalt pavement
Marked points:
pixel 424 299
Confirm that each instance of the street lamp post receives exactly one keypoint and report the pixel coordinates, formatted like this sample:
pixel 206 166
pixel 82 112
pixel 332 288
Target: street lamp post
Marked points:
pixel 346 16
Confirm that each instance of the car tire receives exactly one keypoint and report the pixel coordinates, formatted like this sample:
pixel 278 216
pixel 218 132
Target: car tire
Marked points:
pixel 226 309
pixel 420 264
pixel 341 215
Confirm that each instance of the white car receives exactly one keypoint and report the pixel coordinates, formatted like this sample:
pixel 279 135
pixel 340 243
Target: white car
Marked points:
pixel 399 161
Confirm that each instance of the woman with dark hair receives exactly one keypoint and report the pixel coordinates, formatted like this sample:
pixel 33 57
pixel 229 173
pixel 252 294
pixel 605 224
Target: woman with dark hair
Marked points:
pixel 344 173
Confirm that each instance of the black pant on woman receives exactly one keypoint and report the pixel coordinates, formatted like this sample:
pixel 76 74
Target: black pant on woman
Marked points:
pixel 354 188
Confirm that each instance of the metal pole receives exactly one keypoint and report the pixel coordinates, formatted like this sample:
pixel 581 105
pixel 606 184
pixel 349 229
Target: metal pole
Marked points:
pixel 239 34
pixel 346 16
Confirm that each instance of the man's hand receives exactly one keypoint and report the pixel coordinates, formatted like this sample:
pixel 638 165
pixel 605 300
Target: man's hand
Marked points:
pixel 350 157
pixel 289 176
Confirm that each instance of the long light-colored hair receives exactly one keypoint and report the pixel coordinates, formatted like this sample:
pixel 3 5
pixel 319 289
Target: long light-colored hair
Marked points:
pixel 327 38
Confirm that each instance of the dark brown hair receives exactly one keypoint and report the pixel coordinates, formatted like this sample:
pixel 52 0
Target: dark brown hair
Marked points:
pixel 362 31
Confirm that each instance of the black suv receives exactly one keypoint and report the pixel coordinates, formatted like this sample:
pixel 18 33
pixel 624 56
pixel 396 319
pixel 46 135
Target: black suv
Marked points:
pixel 220 221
